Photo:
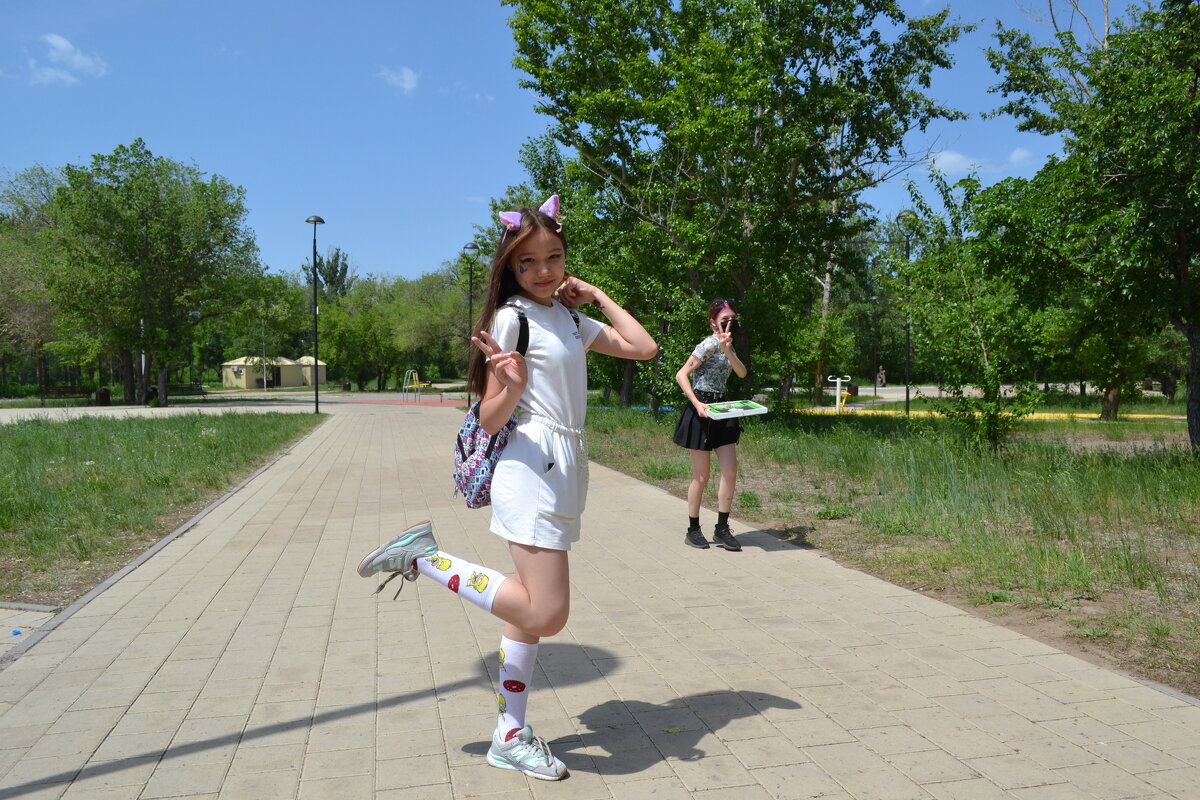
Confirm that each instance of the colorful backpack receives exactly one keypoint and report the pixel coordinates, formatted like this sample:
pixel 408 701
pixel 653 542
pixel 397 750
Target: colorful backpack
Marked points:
pixel 476 452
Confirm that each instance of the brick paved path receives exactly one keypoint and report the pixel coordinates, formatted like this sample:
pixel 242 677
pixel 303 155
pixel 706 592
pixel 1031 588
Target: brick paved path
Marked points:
pixel 246 659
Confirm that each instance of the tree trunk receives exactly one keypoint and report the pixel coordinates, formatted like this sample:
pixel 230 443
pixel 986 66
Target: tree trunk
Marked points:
pixel 163 375
pixel 1111 403
pixel 627 384
pixel 143 378
pixel 823 333
pixel 39 366
pixel 128 384
pixel 1193 386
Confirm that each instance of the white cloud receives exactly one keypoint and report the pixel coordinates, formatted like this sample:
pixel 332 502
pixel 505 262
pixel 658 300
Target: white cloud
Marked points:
pixel 64 53
pixel 49 74
pixel 1019 157
pixel 404 79
pixel 951 162
pixel 70 63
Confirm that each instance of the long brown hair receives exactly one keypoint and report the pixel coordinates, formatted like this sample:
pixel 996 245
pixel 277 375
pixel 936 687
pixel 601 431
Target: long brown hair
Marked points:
pixel 503 284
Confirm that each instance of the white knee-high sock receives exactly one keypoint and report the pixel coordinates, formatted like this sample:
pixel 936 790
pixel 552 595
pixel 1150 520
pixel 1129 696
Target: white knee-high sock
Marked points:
pixel 516 673
pixel 470 581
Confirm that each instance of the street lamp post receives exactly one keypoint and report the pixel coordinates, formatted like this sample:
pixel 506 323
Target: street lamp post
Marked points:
pixel 907 319
pixel 315 220
pixel 473 250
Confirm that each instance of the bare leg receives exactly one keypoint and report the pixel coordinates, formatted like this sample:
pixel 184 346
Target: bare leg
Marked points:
pixel 727 461
pixel 537 600
pixel 701 461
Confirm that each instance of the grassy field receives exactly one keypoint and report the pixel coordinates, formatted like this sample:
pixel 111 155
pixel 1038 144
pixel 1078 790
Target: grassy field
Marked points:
pixel 1055 404
pixel 1084 533
pixel 79 498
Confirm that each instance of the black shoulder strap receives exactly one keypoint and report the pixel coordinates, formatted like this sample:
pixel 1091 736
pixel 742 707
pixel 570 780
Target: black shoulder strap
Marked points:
pixel 523 333
pixel 575 316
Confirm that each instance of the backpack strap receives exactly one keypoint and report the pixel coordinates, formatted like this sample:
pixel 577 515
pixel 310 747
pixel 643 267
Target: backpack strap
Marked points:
pixel 523 333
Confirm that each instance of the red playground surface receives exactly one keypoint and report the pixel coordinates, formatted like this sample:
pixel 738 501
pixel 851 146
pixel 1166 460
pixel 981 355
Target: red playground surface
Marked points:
pixel 394 400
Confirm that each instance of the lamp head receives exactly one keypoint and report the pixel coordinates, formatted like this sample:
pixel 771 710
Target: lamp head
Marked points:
pixel 471 247
pixel 315 220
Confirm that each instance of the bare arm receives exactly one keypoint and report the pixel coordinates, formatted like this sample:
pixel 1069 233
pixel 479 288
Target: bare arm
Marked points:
pixel 624 337
pixel 506 380
pixel 684 379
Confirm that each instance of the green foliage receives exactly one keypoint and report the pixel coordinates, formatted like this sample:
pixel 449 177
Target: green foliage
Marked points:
pixel 27 251
pixel 715 144
pixel 967 319
pixel 151 248
pixel 1129 223
pixel 749 500
pixel 334 271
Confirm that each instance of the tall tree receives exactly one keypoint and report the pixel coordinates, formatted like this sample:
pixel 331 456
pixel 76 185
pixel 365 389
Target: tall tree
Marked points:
pixel 27 252
pixel 967 317
pixel 726 140
pixel 152 249
pixel 1127 104
pixel 335 272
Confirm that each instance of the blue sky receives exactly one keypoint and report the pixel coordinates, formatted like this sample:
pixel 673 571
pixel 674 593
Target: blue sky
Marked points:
pixel 394 121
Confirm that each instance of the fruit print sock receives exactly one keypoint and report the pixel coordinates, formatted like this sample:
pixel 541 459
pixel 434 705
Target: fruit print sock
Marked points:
pixel 516 671
pixel 469 581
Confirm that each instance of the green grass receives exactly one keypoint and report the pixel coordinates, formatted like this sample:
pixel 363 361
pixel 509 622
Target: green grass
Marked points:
pixel 1056 404
pixel 1066 513
pixel 76 490
pixel 33 402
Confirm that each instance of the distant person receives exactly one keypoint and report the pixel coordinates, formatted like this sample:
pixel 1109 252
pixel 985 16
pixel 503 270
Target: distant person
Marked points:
pixel 702 378
pixel 881 377
pixel 540 482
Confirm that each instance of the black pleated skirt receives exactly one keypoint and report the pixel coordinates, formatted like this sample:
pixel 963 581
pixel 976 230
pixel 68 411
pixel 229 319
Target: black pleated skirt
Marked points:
pixel 698 433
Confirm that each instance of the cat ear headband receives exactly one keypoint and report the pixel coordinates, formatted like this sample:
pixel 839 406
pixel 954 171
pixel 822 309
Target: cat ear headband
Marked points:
pixel 511 220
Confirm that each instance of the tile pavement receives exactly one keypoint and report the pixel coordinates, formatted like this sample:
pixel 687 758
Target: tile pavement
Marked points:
pixel 246 659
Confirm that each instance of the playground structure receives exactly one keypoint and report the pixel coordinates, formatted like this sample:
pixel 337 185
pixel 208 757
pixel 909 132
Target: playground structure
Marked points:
pixel 411 386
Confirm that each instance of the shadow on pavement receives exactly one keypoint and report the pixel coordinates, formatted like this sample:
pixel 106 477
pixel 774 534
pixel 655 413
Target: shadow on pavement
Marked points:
pixel 628 737
pixel 555 653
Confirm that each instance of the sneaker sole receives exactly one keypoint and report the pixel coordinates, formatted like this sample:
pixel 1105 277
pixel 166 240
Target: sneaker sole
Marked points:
pixel 514 768
pixel 690 543
pixel 419 530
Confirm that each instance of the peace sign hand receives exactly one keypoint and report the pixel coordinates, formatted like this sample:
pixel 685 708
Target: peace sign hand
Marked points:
pixel 507 368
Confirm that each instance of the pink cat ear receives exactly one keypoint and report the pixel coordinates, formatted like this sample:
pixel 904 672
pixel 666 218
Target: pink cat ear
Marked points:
pixel 510 220
pixel 550 207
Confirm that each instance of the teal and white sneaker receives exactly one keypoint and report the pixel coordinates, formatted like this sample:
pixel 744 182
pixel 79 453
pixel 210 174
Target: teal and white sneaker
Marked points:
pixel 399 556
pixel 528 754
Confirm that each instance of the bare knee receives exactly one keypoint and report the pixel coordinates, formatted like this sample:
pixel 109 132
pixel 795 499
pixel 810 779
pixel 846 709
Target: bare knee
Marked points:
pixel 546 623
pixel 700 480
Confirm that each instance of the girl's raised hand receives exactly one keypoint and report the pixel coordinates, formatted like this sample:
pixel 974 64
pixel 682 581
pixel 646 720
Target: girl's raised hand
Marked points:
pixel 508 368
pixel 724 340
pixel 573 292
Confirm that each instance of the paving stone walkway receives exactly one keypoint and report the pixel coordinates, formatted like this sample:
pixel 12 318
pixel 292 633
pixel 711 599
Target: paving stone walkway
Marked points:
pixel 246 659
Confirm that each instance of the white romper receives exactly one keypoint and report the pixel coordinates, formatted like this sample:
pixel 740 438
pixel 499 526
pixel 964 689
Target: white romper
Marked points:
pixel 539 487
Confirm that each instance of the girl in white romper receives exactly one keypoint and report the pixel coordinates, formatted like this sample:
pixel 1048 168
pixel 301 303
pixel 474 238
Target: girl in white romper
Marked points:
pixel 539 486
